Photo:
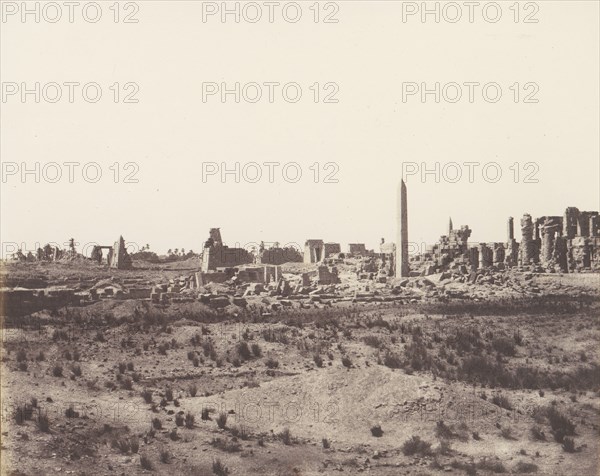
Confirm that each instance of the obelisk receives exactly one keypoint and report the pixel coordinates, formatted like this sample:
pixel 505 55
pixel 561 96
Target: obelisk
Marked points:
pixel 402 233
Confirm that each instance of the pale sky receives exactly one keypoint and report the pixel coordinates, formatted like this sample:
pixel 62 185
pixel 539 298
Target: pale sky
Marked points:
pixel 369 53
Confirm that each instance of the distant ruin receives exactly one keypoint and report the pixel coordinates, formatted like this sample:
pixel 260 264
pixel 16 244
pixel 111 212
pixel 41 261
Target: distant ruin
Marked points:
pixel 314 251
pixel 117 256
pixel 217 255
pixel 566 244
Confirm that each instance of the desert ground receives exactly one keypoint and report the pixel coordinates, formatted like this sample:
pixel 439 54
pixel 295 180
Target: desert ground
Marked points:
pixel 456 378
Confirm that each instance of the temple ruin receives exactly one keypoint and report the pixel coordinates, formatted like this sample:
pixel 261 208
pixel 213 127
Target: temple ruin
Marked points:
pixel 567 244
pixel 217 255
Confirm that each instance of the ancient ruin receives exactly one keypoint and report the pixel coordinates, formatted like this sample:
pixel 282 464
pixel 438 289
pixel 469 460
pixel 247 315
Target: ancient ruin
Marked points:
pixel 314 251
pixel 402 263
pixel 217 255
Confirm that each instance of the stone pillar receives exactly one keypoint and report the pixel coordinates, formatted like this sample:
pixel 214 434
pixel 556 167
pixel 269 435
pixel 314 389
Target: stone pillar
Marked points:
pixel 474 258
pixel 560 253
pixel 499 253
pixel 511 229
pixel 527 248
pixel 486 256
pixel 583 224
pixel 547 246
pixel 570 222
pixel 402 267
pixel 594 225
pixel 512 253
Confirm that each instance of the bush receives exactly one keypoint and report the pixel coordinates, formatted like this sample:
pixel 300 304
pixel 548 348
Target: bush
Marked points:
pixel 135 445
pixel 193 389
pixel 537 433
pixel 179 418
pixel 127 383
pixel 57 371
pixel 491 466
pixel 504 346
pixel 346 362
pixel 147 395
pixel 445 447
pixel 165 456
pixel 560 424
pixel 523 467
pixel 376 431
pixel 443 431
pixel 373 341
pixel 122 367
pixel 222 420
pixel 21 356
pixel 169 394
pixel 71 413
pixel 43 423
pixel 146 463
pixel 76 370
pixel 189 420
pixel 219 468
pixel 415 445
pixel 243 350
pixel 228 446
pixel 501 401
pixel 272 363
pixel 326 443
pixel 568 444
pixel 156 424
pixel 22 413
pixel 205 414
pixel 392 361
pixel 122 444
pixel 318 360
pixel 256 350
pixel 286 436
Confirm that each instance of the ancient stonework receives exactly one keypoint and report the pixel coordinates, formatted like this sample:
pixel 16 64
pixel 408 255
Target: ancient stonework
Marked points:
pixel 314 251
pixel 402 264
pixel 217 255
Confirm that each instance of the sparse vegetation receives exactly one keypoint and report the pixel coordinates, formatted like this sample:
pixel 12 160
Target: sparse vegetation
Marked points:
pixel 222 420
pixel 415 445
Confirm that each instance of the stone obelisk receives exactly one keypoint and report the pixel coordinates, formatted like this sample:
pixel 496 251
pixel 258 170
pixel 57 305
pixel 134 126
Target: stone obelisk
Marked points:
pixel 402 233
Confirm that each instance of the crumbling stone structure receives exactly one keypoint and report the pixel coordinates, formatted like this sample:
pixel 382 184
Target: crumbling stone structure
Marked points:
pixel 332 249
pixel 357 249
pixel 118 257
pixel 217 255
pixel 277 256
pixel 565 243
pixel 528 250
pixel 314 251
pixel 328 275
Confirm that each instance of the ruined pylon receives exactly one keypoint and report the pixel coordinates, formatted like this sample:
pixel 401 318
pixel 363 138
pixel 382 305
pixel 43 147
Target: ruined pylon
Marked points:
pixel 402 269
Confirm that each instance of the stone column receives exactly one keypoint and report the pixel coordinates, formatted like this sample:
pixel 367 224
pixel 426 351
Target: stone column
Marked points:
pixel 527 247
pixel 570 222
pixel 474 258
pixel 511 229
pixel 402 266
pixel 499 253
pixel 560 253
pixel 486 256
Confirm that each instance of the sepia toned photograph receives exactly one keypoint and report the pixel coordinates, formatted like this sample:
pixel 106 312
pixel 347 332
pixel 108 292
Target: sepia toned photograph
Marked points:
pixel 300 238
